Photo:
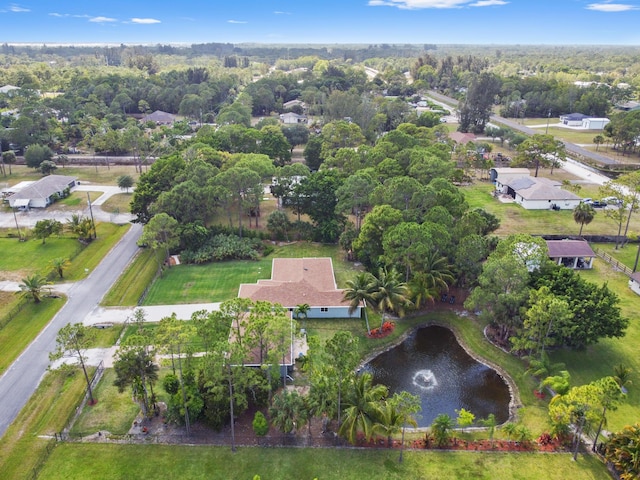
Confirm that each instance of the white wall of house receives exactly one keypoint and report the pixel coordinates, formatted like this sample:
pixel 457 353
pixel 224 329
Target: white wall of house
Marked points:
pixel 546 204
pixel 595 123
pixel 332 312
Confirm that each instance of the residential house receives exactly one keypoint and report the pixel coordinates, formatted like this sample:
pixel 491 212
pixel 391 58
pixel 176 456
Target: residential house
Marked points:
pixel 576 254
pixel 290 118
pixel 634 282
pixel 536 193
pixel 298 281
pixel 295 103
pixel 41 193
pixel 160 118
pixel 579 120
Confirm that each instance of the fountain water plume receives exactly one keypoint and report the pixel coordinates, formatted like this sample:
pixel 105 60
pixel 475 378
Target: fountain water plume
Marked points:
pixel 425 379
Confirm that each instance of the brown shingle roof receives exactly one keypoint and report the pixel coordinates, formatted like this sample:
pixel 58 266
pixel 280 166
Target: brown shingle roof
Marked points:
pixel 295 281
pixel 569 248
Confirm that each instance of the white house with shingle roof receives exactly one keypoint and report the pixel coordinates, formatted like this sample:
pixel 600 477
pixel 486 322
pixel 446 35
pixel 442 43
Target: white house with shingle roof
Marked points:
pixel 41 193
pixel 296 281
pixel 536 193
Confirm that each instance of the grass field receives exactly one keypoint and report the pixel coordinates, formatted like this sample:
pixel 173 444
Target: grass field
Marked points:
pixel 26 442
pixel 19 332
pixel 73 201
pixel 514 218
pixel 87 173
pixel 79 461
pixel 217 282
pixel 119 203
pixel 134 280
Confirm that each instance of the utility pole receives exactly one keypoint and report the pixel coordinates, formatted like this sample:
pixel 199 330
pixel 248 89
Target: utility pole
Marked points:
pixel 93 223
pixel 548 118
pixel 17 227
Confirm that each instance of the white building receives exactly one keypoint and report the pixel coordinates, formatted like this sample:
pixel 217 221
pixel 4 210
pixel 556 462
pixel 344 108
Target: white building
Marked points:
pixel 41 193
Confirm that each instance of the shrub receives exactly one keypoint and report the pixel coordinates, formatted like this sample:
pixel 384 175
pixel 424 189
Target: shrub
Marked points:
pixel 260 424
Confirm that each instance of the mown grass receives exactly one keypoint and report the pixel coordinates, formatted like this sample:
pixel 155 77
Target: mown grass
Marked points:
pixel 20 259
pixel 86 173
pixel 134 280
pixel 108 235
pixel 215 282
pixel 119 203
pixel 80 461
pixel 516 219
pixel 113 413
pixel 73 201
pixel 24 445
pixel 25 326
pixel 33 256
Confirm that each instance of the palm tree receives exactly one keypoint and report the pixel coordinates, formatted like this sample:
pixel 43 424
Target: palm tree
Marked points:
pixel 390 293
pixel 59 264
pixel 490 424
pixel 583 214
pixel 286 411
pixel 390 422
pixel 441 429
pixel 363 404
pixel 33 285
pixel 541 368
pixel 301 310
pixel 426 286
pixel 360 290
pixel 622 376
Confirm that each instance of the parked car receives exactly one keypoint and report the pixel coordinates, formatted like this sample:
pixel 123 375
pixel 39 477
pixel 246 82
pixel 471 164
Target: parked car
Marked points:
pixel 588 201
pixel 598 204
pixel 612 201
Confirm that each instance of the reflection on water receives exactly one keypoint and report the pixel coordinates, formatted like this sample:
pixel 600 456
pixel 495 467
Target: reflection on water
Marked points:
pixel 431 364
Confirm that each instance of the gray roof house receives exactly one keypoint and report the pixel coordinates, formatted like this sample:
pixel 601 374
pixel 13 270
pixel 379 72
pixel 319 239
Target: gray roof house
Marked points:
pixel 41 194
pixel 536 193
pixel 160 118
pixel 291 118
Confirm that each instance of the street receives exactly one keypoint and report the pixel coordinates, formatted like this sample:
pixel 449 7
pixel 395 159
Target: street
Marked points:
pixel 20 381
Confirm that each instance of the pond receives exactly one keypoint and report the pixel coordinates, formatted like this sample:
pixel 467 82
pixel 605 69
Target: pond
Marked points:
pixel 432 364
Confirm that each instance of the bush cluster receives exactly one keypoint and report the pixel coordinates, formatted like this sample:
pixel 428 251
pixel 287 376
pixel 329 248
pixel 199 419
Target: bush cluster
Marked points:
pixel 224 247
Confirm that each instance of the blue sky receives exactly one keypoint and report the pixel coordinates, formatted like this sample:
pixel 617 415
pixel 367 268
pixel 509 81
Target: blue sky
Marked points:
pixel 611 22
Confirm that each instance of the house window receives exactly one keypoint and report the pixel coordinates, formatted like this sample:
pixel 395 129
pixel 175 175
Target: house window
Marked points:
pixel 324 309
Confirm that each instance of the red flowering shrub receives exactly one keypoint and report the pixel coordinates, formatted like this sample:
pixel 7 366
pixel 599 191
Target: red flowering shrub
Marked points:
pixel 386 329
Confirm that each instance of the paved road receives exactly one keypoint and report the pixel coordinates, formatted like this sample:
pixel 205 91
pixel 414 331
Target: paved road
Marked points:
pixel 570 147
pixel 20 381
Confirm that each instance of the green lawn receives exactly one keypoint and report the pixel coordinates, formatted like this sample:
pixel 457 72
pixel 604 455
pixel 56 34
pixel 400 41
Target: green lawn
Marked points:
pixel 19 332
pixel 134 280
pixel 114 411
pixel 515 219
pixel 73 201
pixel 26 441
pixel 20 259
pixel 120 203
pixel 217 282
pixel 81 461
pixel 27 258
pixel 86 173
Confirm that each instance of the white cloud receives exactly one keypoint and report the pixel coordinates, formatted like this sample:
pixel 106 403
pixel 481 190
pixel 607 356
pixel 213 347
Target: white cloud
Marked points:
pixel 102 20
pixel 145 21
pixel 236 21
pixel 59 15
pixel 611 7
pixel 282 13
pixel 18 9
pixel 488 3
pixel 419 4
